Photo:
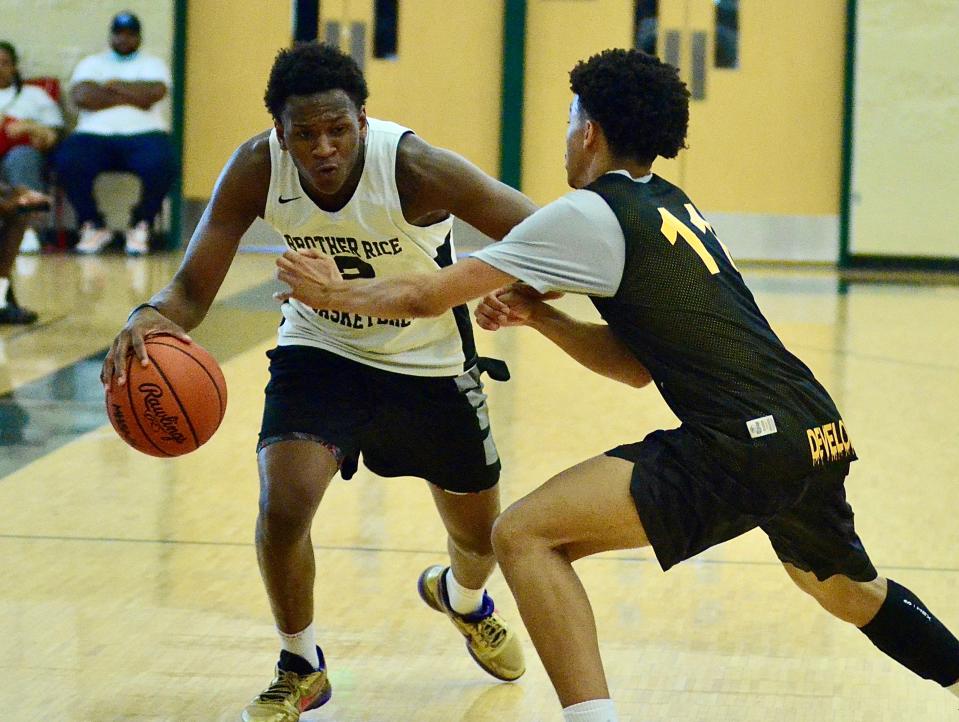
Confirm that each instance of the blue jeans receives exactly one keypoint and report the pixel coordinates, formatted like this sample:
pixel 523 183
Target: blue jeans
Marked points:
pixel 23 166
pixel 83 156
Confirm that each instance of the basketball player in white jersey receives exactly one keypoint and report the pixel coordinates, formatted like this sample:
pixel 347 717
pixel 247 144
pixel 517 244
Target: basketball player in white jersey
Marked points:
pixel 379 200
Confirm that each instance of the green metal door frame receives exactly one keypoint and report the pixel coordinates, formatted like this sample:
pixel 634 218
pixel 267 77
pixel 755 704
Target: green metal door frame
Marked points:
pixel 514 80
pixel 175 238
pixel 845 187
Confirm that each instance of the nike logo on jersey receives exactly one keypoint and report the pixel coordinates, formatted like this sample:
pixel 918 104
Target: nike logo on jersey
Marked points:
pixel 287 200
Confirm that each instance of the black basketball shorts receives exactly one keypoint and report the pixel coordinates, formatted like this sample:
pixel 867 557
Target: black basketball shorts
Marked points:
pixel 434 428
pixel 674 484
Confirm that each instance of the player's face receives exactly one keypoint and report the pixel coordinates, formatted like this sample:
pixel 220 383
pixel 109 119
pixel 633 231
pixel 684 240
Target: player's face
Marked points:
pixel 576 162
pixel 125 42
pixel 325 134
pixel 7 69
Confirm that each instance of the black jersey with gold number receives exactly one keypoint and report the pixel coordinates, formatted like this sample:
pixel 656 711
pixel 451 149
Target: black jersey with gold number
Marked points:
pixel 683 309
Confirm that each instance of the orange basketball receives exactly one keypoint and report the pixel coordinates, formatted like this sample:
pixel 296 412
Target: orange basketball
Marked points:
pixel 174 404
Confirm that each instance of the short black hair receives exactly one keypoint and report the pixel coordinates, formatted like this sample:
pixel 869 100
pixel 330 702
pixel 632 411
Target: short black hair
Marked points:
pixel 309 68
pixel 638 100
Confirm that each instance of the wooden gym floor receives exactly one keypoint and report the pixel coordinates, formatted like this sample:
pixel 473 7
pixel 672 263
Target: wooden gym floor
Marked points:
pixel 130 589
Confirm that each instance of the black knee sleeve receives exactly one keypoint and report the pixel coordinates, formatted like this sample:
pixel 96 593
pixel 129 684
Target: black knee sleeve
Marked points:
pixel 909 633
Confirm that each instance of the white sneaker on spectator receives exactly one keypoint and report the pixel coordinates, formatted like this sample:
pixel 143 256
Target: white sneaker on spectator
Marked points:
pixel 30 242
pixel 93 239
pixel 138 239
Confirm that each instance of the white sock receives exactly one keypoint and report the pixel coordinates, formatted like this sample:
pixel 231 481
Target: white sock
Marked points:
pixel 463 599
pixel 302 644
pixel 954 689
pixel 595 710
pixel 4 285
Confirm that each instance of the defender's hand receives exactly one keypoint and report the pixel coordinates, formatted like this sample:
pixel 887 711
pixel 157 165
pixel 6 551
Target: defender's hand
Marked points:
pixel 531 293
pixel 310 275
pixel 505 307
pixel 145 322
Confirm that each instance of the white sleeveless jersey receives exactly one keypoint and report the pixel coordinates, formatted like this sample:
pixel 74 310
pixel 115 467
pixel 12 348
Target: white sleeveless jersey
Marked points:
pixel 369 237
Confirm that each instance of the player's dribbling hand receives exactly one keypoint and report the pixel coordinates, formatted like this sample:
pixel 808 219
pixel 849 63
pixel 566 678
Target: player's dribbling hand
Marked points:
pixel 143 323
pixel 310 276
pixel 510 306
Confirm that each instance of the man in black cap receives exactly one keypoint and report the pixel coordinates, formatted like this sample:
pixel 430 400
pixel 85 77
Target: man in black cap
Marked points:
pixel 120 127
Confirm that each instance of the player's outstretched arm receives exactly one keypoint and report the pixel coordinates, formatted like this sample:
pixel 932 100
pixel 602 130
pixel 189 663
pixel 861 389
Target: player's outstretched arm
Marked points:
pixel 432 180
pixel 238 198
pixel 591 344
pixel 313 278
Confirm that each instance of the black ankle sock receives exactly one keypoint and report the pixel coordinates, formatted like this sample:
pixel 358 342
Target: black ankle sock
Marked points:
pixel 290 662
pixel 909 633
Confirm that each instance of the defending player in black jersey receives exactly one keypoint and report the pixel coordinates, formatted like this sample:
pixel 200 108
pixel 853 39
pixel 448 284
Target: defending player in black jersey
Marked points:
pixel 761 443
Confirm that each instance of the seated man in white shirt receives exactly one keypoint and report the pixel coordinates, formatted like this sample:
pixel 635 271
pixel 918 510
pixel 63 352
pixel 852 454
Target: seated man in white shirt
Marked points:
pixel 120 128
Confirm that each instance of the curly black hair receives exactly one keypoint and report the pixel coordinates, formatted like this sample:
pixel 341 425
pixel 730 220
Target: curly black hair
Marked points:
pixel 308 68
pixel 638 100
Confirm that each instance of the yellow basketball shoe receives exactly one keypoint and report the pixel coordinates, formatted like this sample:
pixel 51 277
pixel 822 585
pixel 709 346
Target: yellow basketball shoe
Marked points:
pixel 295 688
pixel 489 640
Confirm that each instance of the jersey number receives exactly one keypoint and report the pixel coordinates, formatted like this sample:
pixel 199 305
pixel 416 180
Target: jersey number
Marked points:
pixel 673 228
pixel 352 268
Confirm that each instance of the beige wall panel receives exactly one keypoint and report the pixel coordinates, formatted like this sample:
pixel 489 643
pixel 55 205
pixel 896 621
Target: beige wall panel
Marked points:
pixel 906 131
pixel 767 137
pixel 558 35
pixel 52 36
pixel 445 81
pixel 230 48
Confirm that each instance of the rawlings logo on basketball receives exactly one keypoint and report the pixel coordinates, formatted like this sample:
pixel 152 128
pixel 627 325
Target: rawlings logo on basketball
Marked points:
pixel 119 422
pixel 171 406
pixel 158 418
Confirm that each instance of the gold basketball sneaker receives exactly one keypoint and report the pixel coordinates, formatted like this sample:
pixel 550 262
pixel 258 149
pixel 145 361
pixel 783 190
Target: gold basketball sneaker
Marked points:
pixel 295 688
pixel 489 640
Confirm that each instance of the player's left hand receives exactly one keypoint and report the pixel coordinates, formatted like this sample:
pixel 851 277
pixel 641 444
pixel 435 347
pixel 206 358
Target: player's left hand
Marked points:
pixel 512 305
pixel 310 276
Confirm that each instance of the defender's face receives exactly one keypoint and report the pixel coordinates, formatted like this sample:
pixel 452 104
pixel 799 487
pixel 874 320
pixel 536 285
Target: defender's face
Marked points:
pixel 125 42
pixel 576 161
pixel 7 69
pixel 324 133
